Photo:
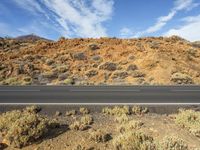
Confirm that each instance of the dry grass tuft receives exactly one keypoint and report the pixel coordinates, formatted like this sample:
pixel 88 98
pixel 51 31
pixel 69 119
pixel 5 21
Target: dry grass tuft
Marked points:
pixel 134 141
pixel 87 120
pixel 130 126
pixel 117 110
pixel 173 143
pixel 122 119
pixel 138 110
pixel 84 110
pixel 99 136
pixel 71 113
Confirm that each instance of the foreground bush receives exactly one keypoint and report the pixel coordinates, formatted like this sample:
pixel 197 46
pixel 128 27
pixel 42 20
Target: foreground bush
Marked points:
pixel 134 141
pixel 173 143
pixel 190 120
pixel 22 127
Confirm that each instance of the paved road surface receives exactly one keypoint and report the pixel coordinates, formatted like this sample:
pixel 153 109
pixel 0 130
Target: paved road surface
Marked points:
pixel 99 94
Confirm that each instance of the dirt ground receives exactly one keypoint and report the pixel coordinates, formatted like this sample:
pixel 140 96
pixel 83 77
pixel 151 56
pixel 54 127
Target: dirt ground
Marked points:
pixel 156 125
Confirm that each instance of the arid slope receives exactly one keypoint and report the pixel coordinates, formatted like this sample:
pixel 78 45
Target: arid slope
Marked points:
pixel 104 61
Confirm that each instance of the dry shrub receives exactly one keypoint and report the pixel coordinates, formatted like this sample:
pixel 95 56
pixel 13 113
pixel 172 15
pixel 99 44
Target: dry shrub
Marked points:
pixel 84 110
pixel 130 126
pixel 71 113
pixel 190 120
pixel 117 110
pixel 82 124
pixel 138 110
pixel 22 127
pixel 77 125
pixel 122 119
pixel 99 136
pixel 87 120
pixel 134 141
pixel 173 143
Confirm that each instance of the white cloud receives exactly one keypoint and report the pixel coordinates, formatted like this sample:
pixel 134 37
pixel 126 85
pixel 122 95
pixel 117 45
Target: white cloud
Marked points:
pixel 163 20
pixel 80 18
pixel 190 30
pixel 126 32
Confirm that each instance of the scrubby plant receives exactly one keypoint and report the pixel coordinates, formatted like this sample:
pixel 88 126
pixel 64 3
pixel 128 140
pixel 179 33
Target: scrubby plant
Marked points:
pixel 71 113
pixel 99 136
pixel 117 110
pixel 134 141
pixel 22 127
pixel 122 119
pixel 173 143
pixel 84 110
pixel 87 120
pixel 138 110
pixel 190 120
pixel 130 126
pixel 78 125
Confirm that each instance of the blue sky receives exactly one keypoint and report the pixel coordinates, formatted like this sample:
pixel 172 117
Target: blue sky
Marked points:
pixel 100 18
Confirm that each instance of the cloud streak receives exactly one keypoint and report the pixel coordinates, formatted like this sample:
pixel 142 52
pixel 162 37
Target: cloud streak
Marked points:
pixel 190 30
pixel 163 20
pixel 75 18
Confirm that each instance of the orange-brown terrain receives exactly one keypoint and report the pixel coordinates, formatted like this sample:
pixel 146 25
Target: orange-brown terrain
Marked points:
pixel 103 61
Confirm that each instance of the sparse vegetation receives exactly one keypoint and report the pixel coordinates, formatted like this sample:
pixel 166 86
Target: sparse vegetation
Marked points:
pixel 173 143
pixel 117 110
pixel 130 126
pixel 122 119
pixel 99 136
pixel 84 110
pixel 87 120
pixel 71 113
pixel 78 125
pixel 134 141
pixel 190 120
pixel 21 127
pixel 108 61
pixel 137 110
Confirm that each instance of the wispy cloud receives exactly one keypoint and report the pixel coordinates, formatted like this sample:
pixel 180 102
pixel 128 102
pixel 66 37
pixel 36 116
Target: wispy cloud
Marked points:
pixel 163 20
pixel 79 18
pixel 190 30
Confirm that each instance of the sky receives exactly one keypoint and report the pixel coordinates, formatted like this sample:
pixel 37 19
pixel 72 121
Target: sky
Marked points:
pixel 100 18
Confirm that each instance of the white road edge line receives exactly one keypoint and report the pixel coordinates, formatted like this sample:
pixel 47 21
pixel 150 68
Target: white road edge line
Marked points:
pixel 19 90
pixel 94 90
pixel 185 90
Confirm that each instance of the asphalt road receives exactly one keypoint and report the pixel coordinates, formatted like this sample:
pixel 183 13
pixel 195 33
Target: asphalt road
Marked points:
pixel 99 94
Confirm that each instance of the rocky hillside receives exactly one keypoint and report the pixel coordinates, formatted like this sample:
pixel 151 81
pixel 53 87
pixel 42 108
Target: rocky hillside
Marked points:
pixel 104 61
